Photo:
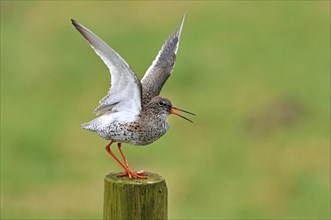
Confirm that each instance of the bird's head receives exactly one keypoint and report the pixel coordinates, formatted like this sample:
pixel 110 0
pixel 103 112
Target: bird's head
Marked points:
pixel 164 105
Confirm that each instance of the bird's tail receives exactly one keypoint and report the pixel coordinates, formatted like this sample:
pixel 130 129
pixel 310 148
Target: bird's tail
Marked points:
pixel 88 126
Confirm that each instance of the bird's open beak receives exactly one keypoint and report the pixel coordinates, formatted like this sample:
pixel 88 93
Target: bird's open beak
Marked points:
pixel 175 113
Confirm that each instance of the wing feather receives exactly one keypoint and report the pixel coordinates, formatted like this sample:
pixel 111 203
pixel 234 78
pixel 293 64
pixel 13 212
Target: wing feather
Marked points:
pixel 125 91
pixel 161 68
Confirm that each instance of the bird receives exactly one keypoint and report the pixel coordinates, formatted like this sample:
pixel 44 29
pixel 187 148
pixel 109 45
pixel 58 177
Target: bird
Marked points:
pixel 133 112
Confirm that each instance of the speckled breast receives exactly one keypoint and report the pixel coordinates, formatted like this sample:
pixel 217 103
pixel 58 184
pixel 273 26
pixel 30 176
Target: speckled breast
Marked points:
pixel 134 133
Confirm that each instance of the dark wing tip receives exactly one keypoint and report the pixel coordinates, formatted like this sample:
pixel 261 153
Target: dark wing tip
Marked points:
pixel 73 22
pixel 81 29
pixel 76 24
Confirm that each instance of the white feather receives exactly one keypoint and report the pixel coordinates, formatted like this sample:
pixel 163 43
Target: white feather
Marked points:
pixel 124 97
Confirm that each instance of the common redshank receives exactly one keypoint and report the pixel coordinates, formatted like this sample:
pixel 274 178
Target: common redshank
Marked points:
pixel 132 111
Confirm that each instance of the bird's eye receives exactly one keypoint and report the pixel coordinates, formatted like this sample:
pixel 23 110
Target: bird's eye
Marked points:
pixel 161 103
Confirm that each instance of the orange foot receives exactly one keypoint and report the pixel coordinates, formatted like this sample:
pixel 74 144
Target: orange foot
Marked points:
pixel 139 174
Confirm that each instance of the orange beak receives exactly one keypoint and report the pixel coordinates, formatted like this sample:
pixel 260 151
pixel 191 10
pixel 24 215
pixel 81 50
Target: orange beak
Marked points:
pixel 175 113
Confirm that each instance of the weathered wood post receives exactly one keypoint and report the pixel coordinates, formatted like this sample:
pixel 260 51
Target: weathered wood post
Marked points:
pixel 126 198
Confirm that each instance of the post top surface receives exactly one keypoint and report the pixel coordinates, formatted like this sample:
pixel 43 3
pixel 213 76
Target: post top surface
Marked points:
pixel 150 178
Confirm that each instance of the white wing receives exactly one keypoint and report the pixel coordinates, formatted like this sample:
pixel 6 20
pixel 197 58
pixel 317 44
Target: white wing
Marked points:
pixel 161 68
pixel 125 93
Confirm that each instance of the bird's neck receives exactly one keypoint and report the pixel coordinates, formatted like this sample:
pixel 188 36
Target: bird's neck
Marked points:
pixel 156 118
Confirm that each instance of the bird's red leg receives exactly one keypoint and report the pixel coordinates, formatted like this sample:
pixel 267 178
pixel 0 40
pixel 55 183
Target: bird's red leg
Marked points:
pixel 123 156
pixel 114 156
pixel 128 171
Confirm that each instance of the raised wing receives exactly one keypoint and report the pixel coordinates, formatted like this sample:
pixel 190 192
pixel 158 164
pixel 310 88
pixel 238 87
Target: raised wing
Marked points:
pixel 161 68
pixel 125 92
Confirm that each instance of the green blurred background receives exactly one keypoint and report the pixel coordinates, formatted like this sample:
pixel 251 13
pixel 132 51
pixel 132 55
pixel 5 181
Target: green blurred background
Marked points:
pixel 256 73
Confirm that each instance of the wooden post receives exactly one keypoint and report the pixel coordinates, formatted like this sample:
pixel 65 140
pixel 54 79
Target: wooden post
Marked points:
pixel 126 198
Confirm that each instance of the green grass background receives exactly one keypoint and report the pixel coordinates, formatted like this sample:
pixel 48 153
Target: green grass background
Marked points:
pixel 256 73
